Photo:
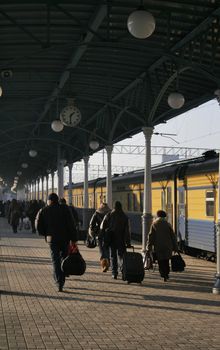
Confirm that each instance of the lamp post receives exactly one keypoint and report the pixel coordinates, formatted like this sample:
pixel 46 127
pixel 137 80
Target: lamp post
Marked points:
pixel 216 288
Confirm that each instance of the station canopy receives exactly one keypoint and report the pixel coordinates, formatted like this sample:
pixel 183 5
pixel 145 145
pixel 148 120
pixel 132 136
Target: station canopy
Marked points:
pixel 81 54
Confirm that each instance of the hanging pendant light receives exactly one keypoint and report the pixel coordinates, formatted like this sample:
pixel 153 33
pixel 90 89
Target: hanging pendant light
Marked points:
pixel 94 144
pixel 24 165
pixel 141 24
pixel 176 100
pixel 19 173
pixel 32 153
pixel 57 125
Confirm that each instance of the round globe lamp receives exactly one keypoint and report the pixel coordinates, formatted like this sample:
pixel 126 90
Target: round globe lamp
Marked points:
pixel 141 24
pixel 24 165
pixel 57 125
pixel 32 153
pixel 176 100
pixel 93 145
pixel 19 173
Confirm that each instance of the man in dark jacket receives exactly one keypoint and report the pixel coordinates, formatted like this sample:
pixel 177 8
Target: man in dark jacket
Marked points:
pixel 56 223
pixel 117 235
pixel 32 213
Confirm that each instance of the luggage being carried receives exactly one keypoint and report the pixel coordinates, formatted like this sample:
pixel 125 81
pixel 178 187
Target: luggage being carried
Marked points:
pixel 73 264
pixel 177 263
pixel 132 267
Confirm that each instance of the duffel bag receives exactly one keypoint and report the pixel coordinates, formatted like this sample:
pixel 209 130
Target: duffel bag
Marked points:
pixel 73 264
pixel 177 263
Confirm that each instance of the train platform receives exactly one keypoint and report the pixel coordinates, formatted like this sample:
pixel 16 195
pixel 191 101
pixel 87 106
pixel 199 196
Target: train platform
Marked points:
pixel 97 312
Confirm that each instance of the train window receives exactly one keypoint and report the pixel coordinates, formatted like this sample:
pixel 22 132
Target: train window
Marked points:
pixel 135 204
pixel 141 201
pixel 90 201
pixel 163 200
pixel 181 198
pixel 210 198
pixel 129 201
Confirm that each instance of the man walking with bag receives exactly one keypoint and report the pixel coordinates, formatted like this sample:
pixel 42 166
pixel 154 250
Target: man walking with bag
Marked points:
pixel 56 223
pixel 163 239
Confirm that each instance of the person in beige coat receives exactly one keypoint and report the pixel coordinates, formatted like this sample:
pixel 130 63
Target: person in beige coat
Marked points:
pixel 163 239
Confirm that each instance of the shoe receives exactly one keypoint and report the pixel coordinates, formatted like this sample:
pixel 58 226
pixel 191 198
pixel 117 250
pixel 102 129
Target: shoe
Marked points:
pixel 104 264
pixel 60 289
pixel 115 277
pixel 166 278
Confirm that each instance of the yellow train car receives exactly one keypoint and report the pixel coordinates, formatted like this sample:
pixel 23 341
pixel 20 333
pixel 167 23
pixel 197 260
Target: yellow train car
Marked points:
pixel 186 190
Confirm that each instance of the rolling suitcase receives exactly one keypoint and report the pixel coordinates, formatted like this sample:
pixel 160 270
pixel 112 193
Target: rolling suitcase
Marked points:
pixel 132 267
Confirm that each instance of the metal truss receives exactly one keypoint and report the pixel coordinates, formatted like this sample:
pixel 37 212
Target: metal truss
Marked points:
pixel 183 152
pixel 103 168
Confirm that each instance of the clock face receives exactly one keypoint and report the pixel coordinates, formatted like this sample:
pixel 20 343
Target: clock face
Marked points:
pixel 70 116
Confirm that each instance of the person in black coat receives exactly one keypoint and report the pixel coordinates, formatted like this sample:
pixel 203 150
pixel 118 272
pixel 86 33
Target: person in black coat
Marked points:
pixel 117 235
pixel 32 213
pixel 56 223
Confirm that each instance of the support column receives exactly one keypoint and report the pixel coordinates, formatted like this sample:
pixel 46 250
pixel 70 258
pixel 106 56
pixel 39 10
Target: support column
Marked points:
pixel 147 200
pixel 38 189
pixel 35 189
pixel 70 167
pixel 42 188
pixel 47 178
pixel 26 192
pixel 85 193
pixel 109 149
pixel 32 188
pixel 216 287
pixel 60 165
pixel 52 182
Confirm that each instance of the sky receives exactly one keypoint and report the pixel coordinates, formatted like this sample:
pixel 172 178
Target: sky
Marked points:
pixel 198 128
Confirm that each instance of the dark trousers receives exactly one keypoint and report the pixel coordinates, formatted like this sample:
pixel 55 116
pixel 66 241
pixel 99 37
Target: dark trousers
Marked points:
pixel 58 251
pixel 164 268
pixel 14 228
pixel 103 249
pixel 32 220
pixel 116 258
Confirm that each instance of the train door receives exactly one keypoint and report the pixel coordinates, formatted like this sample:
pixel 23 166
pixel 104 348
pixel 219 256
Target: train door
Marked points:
pixel 181 229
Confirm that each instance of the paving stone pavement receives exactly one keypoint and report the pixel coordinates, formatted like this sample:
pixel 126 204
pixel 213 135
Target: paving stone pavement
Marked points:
pixel 96 312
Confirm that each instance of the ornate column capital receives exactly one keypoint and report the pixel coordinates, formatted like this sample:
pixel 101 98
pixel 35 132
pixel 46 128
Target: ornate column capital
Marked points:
pixel 109 148
pixel 86 159
pixel 70 166
pixel 148 131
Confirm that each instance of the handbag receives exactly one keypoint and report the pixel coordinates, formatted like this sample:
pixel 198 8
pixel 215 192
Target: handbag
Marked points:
pixel 148 261
pixel 91 242
pixel 73 264
pixel 177 263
